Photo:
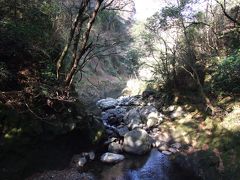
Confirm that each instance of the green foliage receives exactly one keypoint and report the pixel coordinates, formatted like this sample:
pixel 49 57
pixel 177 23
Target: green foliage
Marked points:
pixel 193 44
pixel 48 72
pixel 28 36
pixel 227 76
pixel 171 12
pixel 133 56
pixel 109 21
pixel 30 26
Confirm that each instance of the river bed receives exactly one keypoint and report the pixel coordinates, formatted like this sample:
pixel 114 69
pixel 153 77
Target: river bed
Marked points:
pixel 153 166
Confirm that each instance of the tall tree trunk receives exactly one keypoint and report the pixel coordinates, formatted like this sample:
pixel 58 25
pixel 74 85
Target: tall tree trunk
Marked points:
pixel 85 46
pixel 71 35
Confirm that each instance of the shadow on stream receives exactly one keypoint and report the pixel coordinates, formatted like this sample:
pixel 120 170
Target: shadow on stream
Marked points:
pixel 51 161
pixel 153 166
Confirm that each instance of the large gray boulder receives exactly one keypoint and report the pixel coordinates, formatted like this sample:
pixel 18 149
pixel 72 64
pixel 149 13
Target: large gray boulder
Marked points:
pixel 107 103
pixel 132 119
pixel 112 157
pixel 137 142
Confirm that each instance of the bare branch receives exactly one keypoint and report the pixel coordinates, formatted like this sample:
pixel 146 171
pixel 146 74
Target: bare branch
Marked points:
pixel 226 14
pixel 107 5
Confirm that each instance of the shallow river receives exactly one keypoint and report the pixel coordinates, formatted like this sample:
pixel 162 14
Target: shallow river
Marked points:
pixel 155 166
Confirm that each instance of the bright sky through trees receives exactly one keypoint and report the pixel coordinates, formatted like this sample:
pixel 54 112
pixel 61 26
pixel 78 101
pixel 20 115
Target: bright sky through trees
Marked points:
pixel 144 8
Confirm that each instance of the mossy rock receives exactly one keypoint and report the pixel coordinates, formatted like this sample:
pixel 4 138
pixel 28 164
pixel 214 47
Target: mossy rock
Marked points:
pixel 92 128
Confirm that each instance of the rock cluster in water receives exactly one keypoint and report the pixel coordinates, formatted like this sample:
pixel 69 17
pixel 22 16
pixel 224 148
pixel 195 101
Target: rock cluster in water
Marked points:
pixel 132 124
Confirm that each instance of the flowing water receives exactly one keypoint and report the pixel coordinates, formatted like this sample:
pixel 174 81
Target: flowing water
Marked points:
pixel 154 166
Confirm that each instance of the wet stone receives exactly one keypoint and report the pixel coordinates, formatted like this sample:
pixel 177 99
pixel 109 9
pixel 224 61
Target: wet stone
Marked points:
pixel 109 131
pixel 107 103
pixel 173 150
pixel 78 161
pixel 137 142
pixel 112 157
pixel 115 147
pixel 122 131
pixel 167 152
pixel 176 145
pixel 163 147
pixel 91 155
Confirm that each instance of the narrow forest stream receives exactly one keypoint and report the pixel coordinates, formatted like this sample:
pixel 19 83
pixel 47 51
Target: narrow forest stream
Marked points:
pixel 119 90
pixel 152 165
pixel 120 118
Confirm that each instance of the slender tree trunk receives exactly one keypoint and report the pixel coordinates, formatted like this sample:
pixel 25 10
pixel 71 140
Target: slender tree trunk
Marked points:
pixel 192 65
pixel 71 35
pixel 203 94
pixel 85 46
pixel 174 70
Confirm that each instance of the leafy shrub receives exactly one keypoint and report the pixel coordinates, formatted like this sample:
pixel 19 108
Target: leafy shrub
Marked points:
pixel 227 75
pixel 133 56
pixel 29 39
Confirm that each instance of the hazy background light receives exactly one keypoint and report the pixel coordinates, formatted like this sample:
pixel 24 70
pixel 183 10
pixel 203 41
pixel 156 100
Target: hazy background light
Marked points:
pixel 145 9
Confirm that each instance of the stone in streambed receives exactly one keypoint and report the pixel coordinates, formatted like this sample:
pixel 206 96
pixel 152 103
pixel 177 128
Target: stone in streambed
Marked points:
pixel 177 113
pixel 176 145
pixel 114 116
pixel 78 161
pixel 167 152
pixel 153 119
pixel 146 110
pixel 173 150
pixel 115 147
pixel 122 131
pixel 91 155
pixel 112 157
pixel 107 103
pixel 150 116
pixel 129 101
pixel 137 142
pixel 132 119
pixel 163 147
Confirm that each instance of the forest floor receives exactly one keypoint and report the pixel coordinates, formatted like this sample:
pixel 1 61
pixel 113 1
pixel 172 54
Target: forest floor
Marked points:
pixel 218 133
